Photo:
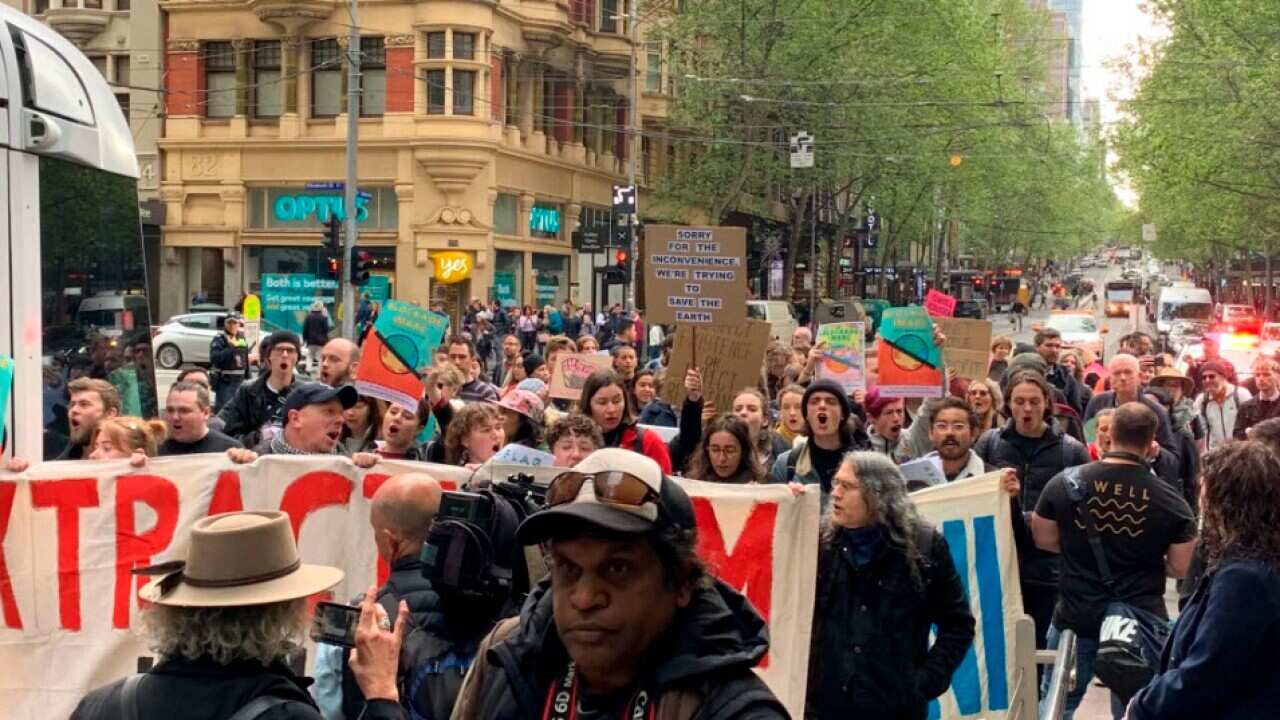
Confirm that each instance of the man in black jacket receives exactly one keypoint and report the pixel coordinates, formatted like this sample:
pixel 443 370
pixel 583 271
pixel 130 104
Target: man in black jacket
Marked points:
pixel 1031 445
pixel 315 332
pixel 229 356
pixel 629 621
pixel 1049 345
pixel 259 404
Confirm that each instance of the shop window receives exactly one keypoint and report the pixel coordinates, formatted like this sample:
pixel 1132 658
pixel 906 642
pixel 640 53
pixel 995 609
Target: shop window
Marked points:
pixel 123 100
pixel 550 279
pixel 464 46
pixel 435 92
pixel 464 92
pixel 373 76
pixel 41 6
pixel 100 62
pixel 268 97
pixel 544 221
pixel 508 277
pixel 326 77
pixel 219 80
pixel 435 45
pixel 506 214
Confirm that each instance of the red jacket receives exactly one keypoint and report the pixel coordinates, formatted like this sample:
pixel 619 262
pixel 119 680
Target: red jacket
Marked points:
pixel 652 445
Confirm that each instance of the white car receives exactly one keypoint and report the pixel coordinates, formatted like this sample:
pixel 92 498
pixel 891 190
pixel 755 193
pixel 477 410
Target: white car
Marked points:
pixel 1079 329
pixel 186 338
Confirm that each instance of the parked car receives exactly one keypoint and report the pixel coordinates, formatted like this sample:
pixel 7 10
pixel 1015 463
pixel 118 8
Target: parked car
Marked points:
pixel 975 309
pixel 782 323
pixel 186 338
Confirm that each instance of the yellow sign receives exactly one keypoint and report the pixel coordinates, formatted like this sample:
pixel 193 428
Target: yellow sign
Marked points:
pixel 252 307
pixel 452 267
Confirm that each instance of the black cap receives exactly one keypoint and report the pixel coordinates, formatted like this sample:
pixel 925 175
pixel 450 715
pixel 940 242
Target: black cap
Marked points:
pixel 314 393
pixel 278 337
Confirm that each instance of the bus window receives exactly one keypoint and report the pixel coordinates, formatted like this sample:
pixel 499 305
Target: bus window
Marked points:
pixel 95 311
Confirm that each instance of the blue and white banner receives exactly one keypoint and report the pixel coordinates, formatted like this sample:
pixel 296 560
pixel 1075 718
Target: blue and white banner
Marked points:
pixel 975 518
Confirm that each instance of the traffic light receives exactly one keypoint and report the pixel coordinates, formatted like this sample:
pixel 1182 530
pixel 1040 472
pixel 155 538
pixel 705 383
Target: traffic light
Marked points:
pixel 620 261
pixel 360 267
pixel 333 236
pixel 332 267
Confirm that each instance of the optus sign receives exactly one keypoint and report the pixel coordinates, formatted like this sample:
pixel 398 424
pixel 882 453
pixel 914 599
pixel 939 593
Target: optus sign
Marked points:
pixel 305 208
pixel 452 267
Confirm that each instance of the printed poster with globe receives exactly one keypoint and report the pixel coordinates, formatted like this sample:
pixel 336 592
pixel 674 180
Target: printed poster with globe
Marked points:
pixel 910 364
pixel 844 358
pixel 400 344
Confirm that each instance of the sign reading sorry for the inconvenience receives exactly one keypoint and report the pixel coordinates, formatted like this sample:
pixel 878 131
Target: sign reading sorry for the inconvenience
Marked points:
pixel 695 275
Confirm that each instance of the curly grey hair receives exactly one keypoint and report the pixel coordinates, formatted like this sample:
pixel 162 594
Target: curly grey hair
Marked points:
pixel 262 633
pixel 884 490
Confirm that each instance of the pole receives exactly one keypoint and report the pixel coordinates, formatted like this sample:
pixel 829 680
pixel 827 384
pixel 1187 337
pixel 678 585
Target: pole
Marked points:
pixel 813 258
pixel 633 139
pixel 353 139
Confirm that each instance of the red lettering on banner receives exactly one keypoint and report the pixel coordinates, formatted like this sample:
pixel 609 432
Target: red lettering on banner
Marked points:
pixel 67 497
pixel 373 481
pixel 8 602
pixel 312 491
pixel 749 568
pixel 134 549
pixel 226 494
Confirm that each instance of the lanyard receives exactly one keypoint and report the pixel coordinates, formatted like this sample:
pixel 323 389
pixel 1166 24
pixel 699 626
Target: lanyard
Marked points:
pixel 562 700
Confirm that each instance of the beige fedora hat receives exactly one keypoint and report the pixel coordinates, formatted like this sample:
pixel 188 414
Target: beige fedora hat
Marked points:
pixel 238 558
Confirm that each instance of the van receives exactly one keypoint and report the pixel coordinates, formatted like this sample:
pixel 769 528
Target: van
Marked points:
pixel 111 314
pixel 782 324
pixel 1181 303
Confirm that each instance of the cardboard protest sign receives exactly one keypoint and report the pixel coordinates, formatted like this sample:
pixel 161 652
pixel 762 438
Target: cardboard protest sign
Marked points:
pixel 974 517
pixel 910 362
pixel 968 346
pixel 695 275
pixel 399 345
pixel 845 360
pixel 939 304
pixel 72 533
pixel 572 371
pixel 730 359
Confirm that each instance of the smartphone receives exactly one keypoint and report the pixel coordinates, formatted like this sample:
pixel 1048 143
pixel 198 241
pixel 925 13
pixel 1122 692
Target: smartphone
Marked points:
pixel 335 624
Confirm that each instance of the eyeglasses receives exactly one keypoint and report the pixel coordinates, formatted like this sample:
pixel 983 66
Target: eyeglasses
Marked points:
pixel 612 487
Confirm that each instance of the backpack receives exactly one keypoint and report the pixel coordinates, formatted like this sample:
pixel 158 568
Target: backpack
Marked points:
pixel 431 675
pixel 253 710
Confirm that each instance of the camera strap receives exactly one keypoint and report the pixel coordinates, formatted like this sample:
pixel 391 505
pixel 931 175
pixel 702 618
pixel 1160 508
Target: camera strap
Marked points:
pixel 562 700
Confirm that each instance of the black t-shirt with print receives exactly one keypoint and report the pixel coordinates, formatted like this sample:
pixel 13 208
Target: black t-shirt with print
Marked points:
pixel 1138 517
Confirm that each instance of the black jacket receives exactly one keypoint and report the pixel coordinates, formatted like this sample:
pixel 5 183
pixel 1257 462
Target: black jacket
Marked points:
pixel 713 645
pixel 315 328
pixel 1056 453
pixel 1164 426
pixel 871 657
pixel 1073 391
pixel 228 358
pixel 250 409
pixel 204 690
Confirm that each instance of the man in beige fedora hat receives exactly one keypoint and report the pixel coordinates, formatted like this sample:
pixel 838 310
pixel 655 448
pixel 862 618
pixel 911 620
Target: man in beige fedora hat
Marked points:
pixel 225 623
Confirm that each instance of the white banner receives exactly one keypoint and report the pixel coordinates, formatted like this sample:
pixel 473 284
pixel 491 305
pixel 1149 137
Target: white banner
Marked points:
pixel 71 532
pixel 975 518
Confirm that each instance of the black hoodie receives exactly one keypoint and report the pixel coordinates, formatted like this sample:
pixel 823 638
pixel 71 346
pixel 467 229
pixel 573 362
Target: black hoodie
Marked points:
pixel 712 646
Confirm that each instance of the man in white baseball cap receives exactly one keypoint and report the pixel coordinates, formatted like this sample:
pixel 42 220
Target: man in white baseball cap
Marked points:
pixel 227 621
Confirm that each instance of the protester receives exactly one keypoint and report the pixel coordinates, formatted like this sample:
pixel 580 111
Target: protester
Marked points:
pixel 197 375
pixel 1219 404
pixel 126 438
pixel 313 417
pixel 535 367
pixel 572 438
pixel 828 437
pixel 726 454
pixel 604 400
pixel 1073 361
pixel 624 360
pixel 1266 403
pixel 1030 444
pixel 400 513
pixel 749 404
pixel 527 327
pixel 229 358
pixel 522 418
pixel 360 426
pixel 1123 371
pixel 777 370
pixel 802 339
pixel 1001 349
pixel 886 584
pixel 91 402
pixel 400 430
pixel 511 357
pixel 1102 442
pixel 587 344
pixel 791 424
pixel 1220 661
pixel 1211 354
pixel 475 434
pixel 985 398
pixel 339 359
pixel 463 355
pixel 1182 413
pixel 1140 541
pixel 187 412
pixel 315 332
pixel 1048 342
pixel 255 413
pixel 887 416
pixel 226 641
pixel 623 624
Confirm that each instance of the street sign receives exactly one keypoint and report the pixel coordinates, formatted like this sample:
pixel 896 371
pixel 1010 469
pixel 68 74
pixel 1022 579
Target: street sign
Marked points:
pixel 1148 232
pixel 801 150
pixel 587 241
pixel 624 199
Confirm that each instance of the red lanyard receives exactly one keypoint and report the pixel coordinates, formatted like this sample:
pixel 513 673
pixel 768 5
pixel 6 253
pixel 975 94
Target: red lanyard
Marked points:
pixel 562 700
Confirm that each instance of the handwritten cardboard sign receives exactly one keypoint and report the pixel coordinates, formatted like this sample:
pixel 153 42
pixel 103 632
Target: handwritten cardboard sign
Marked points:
pixel 968 346
pixel 730 359
pixel 939 305
pixel 846 350
pixel 695 275
pixel 572 371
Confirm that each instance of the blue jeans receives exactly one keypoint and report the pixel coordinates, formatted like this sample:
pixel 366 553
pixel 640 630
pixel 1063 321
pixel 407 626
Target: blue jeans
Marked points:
pixel 1086 656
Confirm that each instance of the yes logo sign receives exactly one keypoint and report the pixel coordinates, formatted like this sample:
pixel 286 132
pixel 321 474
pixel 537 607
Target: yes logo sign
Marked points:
pixel 452 267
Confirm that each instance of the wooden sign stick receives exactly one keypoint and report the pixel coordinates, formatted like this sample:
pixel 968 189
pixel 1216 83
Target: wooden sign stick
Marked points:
pixel 693 347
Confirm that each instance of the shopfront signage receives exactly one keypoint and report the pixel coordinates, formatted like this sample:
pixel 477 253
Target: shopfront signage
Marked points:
pixel 308 209
pixel 544 219
pixel 311 207
pixel 452 267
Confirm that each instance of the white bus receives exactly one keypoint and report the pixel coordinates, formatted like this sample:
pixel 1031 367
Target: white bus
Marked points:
pixel 73 278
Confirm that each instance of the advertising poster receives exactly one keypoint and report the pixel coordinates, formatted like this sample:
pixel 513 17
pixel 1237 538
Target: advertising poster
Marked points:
pixel 845 358
pixel 286 299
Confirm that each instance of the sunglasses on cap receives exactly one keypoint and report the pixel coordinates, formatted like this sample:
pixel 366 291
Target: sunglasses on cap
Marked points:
pixel 612 487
